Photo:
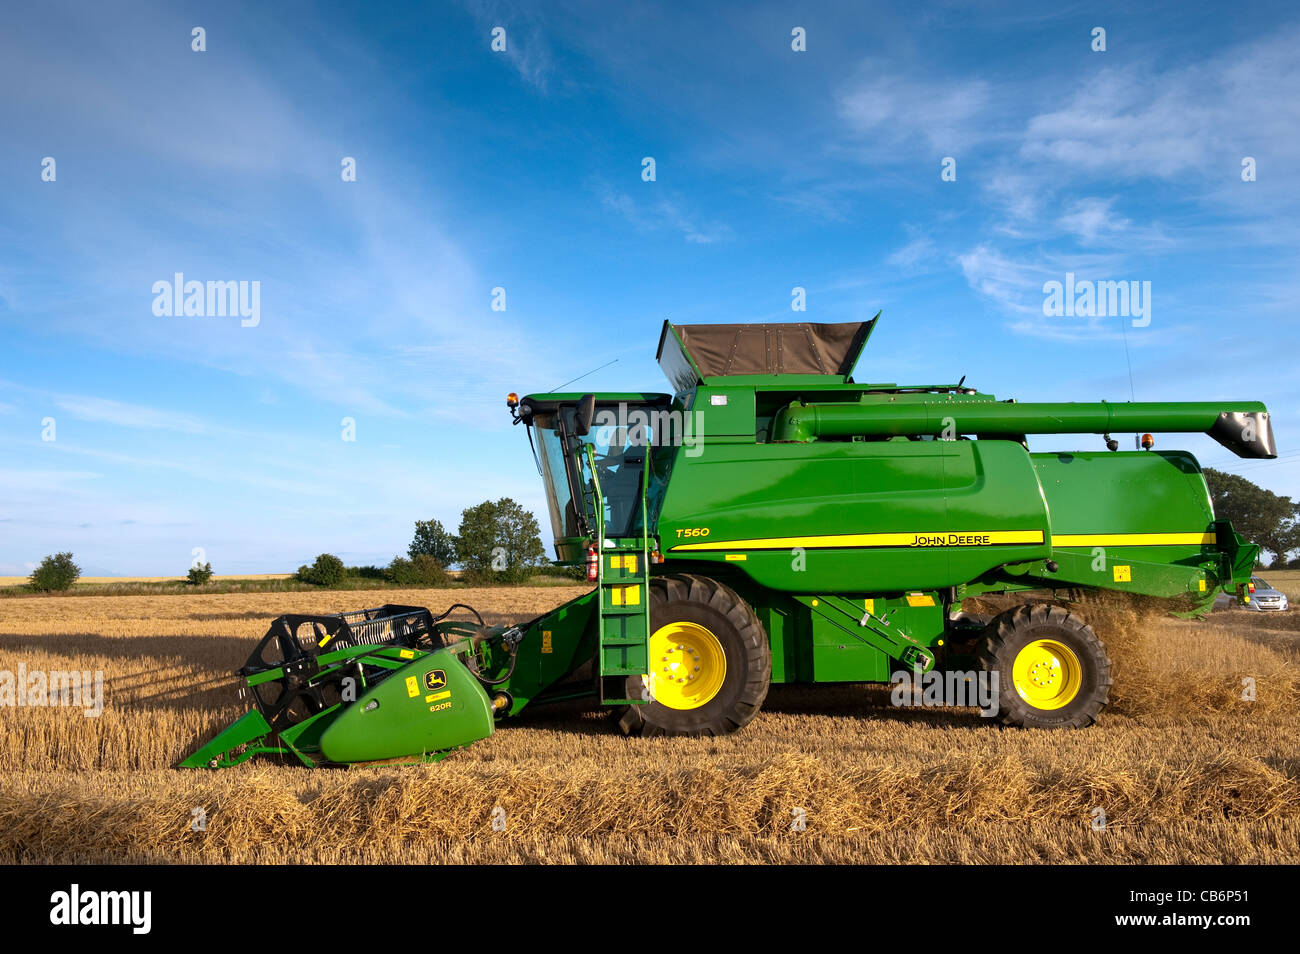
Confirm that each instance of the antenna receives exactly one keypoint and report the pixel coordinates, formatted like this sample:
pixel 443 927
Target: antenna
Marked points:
pixel 581 376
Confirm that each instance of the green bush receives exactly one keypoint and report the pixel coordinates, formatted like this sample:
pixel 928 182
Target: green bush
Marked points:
pixel 328 570
pixel 200 574
pixel 429 570
pixel 401 572
pixel 56 572
pixel 424 570
pixel 490 577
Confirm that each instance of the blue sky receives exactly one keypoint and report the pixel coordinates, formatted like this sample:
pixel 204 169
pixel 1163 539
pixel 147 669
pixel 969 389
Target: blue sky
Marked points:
pixel 522 170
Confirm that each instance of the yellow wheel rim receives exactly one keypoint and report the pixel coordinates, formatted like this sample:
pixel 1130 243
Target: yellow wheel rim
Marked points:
pixel 687 665
pixel 1047 674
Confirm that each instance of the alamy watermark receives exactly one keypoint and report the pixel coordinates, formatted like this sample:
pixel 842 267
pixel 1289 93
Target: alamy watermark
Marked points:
pixel 78 689
pixel 192 299
pixel 655 427
pixel 131 909
pixel 1089 299
pixel 942 689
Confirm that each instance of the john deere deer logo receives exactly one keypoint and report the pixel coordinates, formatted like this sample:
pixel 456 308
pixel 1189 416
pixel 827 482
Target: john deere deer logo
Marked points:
pixel 435 679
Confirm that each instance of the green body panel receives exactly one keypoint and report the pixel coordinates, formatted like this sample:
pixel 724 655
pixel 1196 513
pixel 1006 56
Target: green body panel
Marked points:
pixel 1097 494
pixel 428 706
pixel 792 511
pixel 846 637
pixel 553 648
pixel 856 640
pixel 1124 491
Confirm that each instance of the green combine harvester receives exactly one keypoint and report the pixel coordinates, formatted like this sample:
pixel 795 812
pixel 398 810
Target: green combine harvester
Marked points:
pixel 774 521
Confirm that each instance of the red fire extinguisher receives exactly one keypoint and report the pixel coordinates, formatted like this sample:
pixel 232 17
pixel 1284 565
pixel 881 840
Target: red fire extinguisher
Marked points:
pixel 593 563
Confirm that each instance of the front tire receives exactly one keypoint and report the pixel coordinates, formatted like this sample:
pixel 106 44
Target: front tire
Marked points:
pixel 1053 671
pixel 710 660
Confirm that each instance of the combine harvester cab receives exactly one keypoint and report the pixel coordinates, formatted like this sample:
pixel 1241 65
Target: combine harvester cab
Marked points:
pixel 772 520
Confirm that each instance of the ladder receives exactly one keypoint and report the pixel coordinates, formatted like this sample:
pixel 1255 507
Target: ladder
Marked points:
pixel 623 578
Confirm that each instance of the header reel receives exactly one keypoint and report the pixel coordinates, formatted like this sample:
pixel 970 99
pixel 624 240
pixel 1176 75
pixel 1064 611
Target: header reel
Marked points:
pixel 389 683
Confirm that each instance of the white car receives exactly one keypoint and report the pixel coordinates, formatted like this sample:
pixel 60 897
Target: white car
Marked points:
pixel 1265 599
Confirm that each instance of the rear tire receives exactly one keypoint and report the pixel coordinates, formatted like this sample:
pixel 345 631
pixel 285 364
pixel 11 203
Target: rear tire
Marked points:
pixel 1053 671
pixel 710 623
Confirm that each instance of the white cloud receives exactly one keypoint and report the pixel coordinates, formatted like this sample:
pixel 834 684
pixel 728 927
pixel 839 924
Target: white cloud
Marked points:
pixel 919 251
pixel 1089 219
pixel 889 110
pixel 1018 195
pixel 1136 122
pixel 1009 283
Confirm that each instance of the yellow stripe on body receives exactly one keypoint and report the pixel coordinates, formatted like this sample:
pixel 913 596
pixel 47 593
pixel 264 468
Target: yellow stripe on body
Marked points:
pixel 964 538
pixel 1130 539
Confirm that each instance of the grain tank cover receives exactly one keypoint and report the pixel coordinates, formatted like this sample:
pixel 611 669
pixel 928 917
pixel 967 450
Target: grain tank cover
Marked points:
pixel 690 353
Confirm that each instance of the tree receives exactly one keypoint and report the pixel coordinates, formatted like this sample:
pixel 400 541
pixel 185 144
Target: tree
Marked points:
pixel 200 574
pixel 328 570
pixel 432 539
pixel 55 573
pixel 501 538
pixel 1259 515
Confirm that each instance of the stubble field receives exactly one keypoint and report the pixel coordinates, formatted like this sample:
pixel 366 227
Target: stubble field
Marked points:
pixel 1184 769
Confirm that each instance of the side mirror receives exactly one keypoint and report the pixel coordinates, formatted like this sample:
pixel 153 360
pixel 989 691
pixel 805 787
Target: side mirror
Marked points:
pixel 585 414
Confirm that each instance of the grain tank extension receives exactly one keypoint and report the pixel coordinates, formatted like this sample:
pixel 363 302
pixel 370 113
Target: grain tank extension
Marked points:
pixel 773 520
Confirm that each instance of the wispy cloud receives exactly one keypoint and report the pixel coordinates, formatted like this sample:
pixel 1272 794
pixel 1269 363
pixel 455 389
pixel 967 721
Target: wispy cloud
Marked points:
pixel 527 48
pixel 1012 285
pixel 885 110
pixel 1139 122
pixel 1091 219
pixel 120 414
pixel 919 251
pixel 660 213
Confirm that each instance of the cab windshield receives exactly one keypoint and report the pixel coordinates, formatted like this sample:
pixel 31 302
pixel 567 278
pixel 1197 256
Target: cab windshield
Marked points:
pixel 620 455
